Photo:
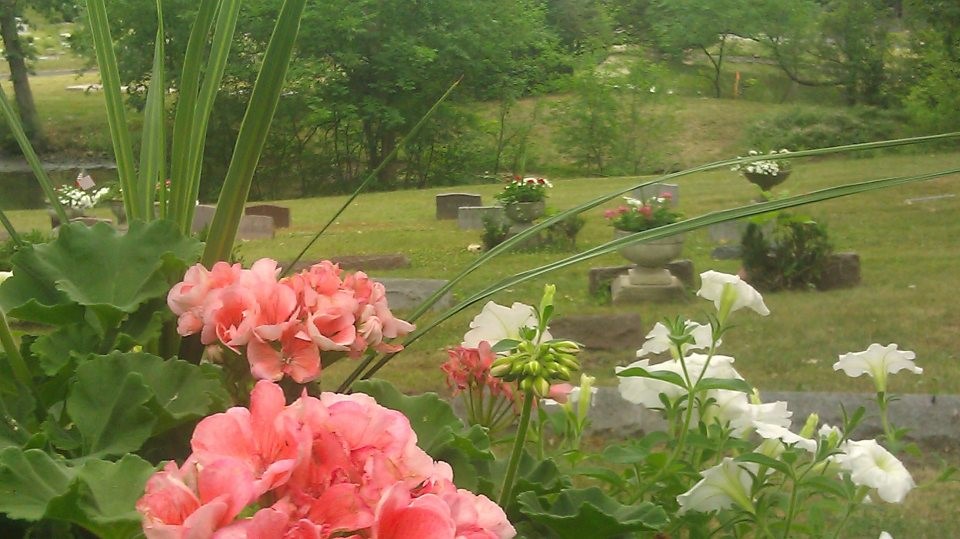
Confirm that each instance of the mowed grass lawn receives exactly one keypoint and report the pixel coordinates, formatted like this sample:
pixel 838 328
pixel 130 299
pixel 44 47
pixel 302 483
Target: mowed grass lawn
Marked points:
pixel 909 253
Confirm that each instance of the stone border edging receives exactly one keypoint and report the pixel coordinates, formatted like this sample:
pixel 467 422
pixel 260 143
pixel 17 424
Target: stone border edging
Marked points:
pixel 930 419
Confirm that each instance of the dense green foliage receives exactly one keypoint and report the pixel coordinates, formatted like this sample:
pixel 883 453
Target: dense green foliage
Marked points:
pixel 804 128
pixel 365 71
pixel 790 253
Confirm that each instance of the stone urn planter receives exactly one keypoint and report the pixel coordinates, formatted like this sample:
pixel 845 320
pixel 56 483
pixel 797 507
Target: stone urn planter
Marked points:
pixel 766 182
pixel 650 258
pixel 72 213
pixel 524 212
pixel 118 210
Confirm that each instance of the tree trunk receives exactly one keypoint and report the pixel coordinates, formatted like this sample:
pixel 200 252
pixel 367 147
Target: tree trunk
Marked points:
pixel 16 59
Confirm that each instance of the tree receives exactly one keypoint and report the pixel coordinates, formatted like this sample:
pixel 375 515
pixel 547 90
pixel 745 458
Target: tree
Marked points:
pixel 582 25
pixel 17 52
pixel 934 99
pixel 704 25
pixel 389 59
pixel 366 70
pixel 838 43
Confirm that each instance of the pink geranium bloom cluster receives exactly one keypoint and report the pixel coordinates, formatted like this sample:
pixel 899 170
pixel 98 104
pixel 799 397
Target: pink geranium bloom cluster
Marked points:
pixel 469 369
pixel 285 325
pixel 335 466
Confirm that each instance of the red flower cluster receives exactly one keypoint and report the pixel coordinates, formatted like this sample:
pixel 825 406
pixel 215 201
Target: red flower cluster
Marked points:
pixel 335 466
pixel 285 324
pixel 469 369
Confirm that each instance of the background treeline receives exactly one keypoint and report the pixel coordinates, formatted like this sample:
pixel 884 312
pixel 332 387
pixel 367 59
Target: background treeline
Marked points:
pixel 561 87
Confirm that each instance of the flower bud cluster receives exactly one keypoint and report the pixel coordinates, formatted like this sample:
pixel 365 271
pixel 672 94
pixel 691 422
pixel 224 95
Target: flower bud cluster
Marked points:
pixel 535 366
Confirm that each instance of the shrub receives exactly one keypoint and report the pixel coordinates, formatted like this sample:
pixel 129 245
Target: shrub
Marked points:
pixel 791 255
pixel 805 128
pixel 494 232
pixel 9 247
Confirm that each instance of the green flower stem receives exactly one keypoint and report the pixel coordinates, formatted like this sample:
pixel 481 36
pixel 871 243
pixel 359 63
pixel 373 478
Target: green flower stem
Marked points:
pixel 514 463
pixel 11 231
pixel 882 404
pixel 791 511
pixel 853 504
pixel 488 403
pixel 501 415
pixel 19 367
pixel 468 402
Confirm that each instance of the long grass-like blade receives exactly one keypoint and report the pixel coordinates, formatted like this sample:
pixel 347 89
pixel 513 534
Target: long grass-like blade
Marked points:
pixel 373 175
pixel 662 232
pixel 213 76
pixel 152 142
pixel 13 121
pixel 10 229
pixel 133 198
pixel 253 133
pixel 183 126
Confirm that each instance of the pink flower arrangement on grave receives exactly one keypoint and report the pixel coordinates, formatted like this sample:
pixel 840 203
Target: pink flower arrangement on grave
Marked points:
pixel 333 466
pixel 285 326
pixel 639 215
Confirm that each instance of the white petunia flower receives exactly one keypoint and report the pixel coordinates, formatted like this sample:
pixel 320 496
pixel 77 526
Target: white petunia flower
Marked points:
pixel 734 410
pixel 877 361
pixel 4 275
pixel 871 465
pixel 771 431
pixel 722 486
pixel 497 322
pixel 658 340
pixel 740 293
pixel 646 391
pixel 885 535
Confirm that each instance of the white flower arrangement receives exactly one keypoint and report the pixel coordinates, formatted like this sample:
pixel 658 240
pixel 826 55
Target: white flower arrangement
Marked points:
pixel 765 167
pixel 77 199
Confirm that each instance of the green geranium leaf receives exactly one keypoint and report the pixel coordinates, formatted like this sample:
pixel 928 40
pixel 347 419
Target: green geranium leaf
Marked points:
pixel 144 325
pixel 579 513
pixel 55 350
pixel 29 481
pixel 181 390
pixel 439 431
pixel 108 405
pixel 664 376
pixel 635 452
pixel 469 456
pixel 95 267
pixel 103 497
pixel 60 437
pixel 19 420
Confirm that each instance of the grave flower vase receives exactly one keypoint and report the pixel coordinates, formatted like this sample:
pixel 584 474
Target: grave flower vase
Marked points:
pixel 72 213
pixel 766 182
pixel 650 258
pixel 116 207
pixel 524 212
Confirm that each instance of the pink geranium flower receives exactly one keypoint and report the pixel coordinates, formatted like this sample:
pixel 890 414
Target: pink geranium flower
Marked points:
pixel 294 355
pixel 283 325
pixel 335 466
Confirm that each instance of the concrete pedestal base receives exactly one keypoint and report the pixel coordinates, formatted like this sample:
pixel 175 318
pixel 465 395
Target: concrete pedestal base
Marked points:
pixel 532 243
pixel 623 291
